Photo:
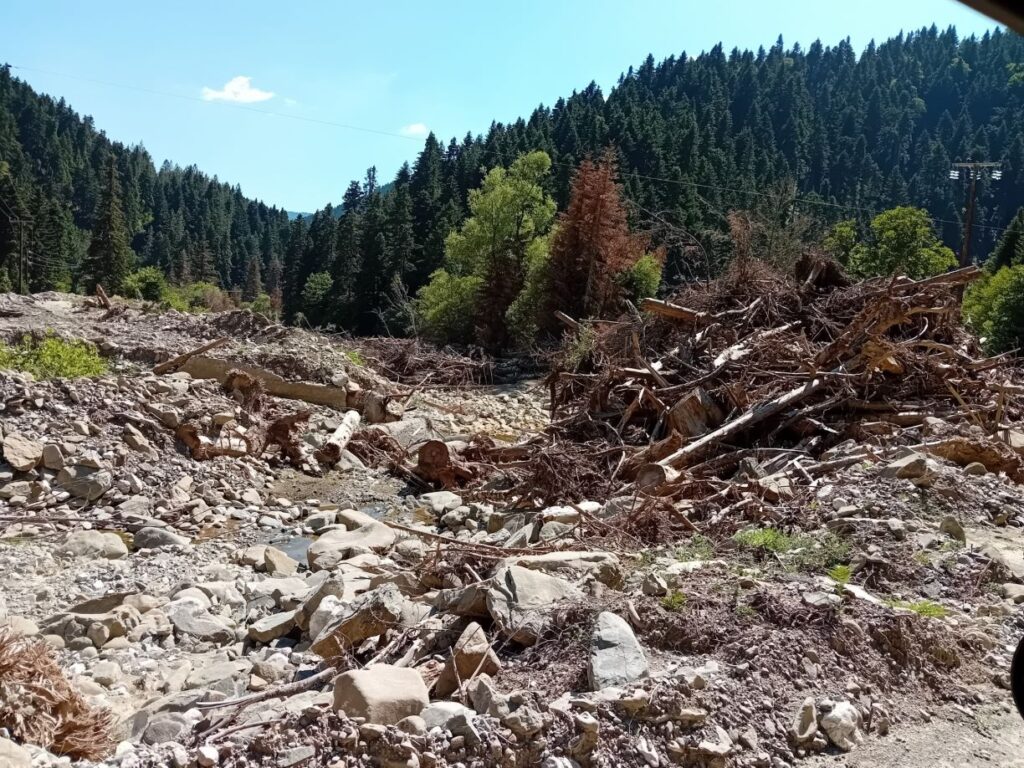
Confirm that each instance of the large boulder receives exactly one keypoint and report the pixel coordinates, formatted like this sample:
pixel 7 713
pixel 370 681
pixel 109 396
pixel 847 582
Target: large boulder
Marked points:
pixel 616 657
pixel 95 544
pixel 336 545
pixel 521 600
pixel 369 616
pixel 21 452
pixel 471 655
pixel 381 693
pixel 603 566
pixel 189 617
pixel 152 537
pixel 84 482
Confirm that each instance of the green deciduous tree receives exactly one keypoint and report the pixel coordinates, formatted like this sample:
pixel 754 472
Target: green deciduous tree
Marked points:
pixel 901 241
pixel 510 214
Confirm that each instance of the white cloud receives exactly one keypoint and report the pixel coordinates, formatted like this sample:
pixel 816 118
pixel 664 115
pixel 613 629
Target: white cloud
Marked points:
pixel 237 89
pixel 416 130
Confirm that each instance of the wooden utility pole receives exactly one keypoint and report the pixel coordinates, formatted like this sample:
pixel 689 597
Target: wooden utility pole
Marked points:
pixel 974 171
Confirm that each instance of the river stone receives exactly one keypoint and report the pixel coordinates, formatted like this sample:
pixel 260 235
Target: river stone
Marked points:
pixel 190 618
pixel 13 755
pixel 381 693
pixel 95 544
pixel 616 657
pixel 84 482
pixel 21 452
pixel 521 599
pixel 277 563
pixel 336 545
pixel 157 538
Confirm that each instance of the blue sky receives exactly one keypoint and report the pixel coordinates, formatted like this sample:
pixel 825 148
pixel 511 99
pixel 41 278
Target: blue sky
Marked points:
pixel 173 76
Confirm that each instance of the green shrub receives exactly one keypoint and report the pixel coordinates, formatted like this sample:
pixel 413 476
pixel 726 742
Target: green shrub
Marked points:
pixel 674 601
pixel 994 308
pixel 197 297
pixel 698 547
pixel 355 357
pixel 446 306
pixel 927 608
pixel 147 283
pixel 264 305
pixel 840 574
pixel 765 540
pixel 642 279
pixel 52 358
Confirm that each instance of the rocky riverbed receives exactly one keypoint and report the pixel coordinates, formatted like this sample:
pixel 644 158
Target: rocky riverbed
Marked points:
pixel 246 611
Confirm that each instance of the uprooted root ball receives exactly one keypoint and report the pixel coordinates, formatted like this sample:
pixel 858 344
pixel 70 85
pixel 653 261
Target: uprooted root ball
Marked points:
pixel 38 705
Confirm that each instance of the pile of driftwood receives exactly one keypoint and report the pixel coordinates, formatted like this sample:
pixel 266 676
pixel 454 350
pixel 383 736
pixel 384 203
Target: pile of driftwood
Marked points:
pixel 411 361
pixel 743 388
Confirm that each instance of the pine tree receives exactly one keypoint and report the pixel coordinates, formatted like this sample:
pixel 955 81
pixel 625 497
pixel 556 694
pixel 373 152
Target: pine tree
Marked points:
pixel 592 245
pixel 1010 250
pixel 109 260
pixel 253 283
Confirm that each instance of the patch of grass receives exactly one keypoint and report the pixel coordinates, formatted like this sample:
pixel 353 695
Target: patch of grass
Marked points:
pixel 674 601
pixel 355 357
pixel 840 574
pixel 766 540
pixel 745 610
pixel 927 608
pixel 52 358
pixel 647 557
pixel 697 547
pixel 922 558
pixel 804 552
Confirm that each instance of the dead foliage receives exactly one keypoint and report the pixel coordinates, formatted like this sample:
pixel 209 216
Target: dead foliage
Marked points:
pixel 411 361
pixel 39 706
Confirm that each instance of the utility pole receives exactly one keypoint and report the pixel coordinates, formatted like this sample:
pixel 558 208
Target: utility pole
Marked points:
pixel 972 172
pixel 22 223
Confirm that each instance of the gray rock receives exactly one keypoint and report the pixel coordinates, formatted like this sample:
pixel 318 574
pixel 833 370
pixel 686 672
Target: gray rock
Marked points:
pixel 188 617
pixel 805 722
pixel 136 506
pixel 167 726
pixel 616 657
pixel 293 756
pixel 277 563
pixel 906 467
pixel 337 545
pixel 951 527
pixel 95 544
pixel 84 482
pixel 14 756
pixel 1013 592
pixel 521 600
pixel 21 452
pixel 441 501
pixel 53 456
pixel 269 628
pixel 369 616
pixel 438 714
pixel 842 726
pixel 157 538
pixel 975 468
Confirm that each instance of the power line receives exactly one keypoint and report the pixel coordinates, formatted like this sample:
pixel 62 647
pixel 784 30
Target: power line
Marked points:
pixel 185 97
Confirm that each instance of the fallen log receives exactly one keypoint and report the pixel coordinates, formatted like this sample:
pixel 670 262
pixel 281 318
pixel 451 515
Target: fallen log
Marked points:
pixel 754 416
pixel 330 452
pixel 437 463
pixel 169 366
pixel 651 477
pixel 101 295
pixel 673 311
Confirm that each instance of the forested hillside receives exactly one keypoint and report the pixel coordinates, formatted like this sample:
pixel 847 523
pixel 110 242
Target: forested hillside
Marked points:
pixel 696 137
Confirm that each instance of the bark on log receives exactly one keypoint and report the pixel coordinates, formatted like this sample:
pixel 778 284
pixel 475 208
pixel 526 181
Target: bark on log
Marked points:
pixel 695 413
pixel 754 416
pixel 651 477
pixel 437 463
pixel 175 363
pixel 102 296
pixel 330 452
pixel 674 311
